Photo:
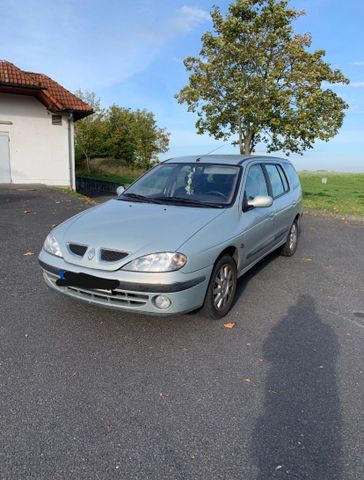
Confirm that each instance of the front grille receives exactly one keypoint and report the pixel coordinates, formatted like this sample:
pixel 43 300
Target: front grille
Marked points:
pixel 112 255
pixel 118 297
pixel 77 249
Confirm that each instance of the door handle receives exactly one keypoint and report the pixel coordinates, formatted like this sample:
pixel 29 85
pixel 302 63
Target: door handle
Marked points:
pixel 271 215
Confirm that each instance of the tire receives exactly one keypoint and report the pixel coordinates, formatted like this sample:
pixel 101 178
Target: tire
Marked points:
pixel 223 276
pixel 290 247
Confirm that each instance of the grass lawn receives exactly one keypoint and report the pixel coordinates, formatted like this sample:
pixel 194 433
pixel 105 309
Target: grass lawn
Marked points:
pixel 343 193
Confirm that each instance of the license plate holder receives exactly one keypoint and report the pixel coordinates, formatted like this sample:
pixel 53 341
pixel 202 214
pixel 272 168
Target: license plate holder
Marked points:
pixel 83 280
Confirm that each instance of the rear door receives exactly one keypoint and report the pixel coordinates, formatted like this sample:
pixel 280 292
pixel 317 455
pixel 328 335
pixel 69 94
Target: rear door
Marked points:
pixel 256 223
pixel 4 158
pixel 282 203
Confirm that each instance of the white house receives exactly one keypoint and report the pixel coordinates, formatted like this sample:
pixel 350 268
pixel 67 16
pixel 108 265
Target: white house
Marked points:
pixel 37 116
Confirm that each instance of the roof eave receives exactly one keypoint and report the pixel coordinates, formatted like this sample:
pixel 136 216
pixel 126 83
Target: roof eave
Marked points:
pixel 21 85
pixel 77 114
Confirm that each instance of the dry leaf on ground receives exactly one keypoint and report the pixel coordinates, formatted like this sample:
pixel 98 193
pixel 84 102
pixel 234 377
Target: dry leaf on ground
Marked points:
pixel 229 325
pixel 28 254
pixel 247 380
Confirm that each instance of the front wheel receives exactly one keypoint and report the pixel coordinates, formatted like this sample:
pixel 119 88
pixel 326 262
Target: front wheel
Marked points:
pixel 221 290
pixel 290 246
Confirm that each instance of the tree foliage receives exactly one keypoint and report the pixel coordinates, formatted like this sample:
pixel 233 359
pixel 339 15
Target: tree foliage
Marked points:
pixel 134 136
pixel 258 80
pixel 90 131
pixel 117 132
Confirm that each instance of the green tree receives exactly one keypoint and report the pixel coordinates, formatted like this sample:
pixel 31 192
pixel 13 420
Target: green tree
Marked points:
pixel 120 142
pixel 90 131
pixel 150 140
pixel 259 81
pixel 134 136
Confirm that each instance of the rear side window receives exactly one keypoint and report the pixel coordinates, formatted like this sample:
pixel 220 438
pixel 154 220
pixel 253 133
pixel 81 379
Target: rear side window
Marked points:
pixel 292 175
pixel 276 181
pixel 255 183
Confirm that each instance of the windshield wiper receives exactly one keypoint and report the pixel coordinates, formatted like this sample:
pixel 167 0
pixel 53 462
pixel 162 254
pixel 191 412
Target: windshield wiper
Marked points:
pixel 138 198
pixel 189 201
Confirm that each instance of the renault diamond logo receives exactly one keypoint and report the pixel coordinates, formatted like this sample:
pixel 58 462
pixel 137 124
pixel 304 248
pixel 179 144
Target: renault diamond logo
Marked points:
pixel 91 254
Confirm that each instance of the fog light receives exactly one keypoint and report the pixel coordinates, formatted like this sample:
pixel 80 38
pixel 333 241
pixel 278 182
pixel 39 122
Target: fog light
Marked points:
pixel 162 302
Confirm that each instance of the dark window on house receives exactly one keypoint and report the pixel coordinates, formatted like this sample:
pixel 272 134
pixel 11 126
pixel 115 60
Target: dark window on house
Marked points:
pixel 56 119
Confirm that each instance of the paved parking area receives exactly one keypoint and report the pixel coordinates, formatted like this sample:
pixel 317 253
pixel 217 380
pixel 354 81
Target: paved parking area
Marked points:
pixel 88 393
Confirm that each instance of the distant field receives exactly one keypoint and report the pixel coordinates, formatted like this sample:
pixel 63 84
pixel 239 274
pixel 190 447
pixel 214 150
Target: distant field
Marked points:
pixel 343 193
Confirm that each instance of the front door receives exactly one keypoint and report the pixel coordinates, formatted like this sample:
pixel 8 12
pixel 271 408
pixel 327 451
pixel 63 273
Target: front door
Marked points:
pixel 4 158
pixel 257 223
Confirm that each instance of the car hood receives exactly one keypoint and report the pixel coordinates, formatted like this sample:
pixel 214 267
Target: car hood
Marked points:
pixel 132 227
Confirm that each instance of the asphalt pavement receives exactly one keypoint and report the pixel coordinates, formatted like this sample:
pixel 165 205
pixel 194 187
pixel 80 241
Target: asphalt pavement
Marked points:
pixel 90 393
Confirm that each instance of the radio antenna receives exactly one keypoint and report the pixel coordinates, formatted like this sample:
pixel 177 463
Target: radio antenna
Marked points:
pixel 212 151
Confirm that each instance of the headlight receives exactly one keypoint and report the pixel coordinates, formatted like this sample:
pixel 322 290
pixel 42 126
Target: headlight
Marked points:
pixel 157 262
pixel 52 246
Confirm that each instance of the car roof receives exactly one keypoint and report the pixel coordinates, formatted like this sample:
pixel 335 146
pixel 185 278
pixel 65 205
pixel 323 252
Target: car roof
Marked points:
pixel 222 159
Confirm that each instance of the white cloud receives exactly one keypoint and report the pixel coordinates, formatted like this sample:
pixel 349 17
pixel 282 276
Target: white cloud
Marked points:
pixel 356 84
pixel 359 63
pixel 89 49
pixel 183 21
pixel 188 18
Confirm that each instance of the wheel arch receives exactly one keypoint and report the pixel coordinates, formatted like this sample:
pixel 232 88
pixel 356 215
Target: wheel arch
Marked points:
pixel 232 251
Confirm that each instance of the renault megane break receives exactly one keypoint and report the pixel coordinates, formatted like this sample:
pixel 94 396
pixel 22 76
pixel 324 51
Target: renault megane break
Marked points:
pixel 179 237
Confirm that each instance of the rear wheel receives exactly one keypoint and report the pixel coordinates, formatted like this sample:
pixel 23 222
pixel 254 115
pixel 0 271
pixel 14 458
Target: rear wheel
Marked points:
pixel 290 246
pixel 221 290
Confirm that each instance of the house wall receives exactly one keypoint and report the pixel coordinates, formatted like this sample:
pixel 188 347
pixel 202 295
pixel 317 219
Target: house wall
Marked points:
pixel 39 151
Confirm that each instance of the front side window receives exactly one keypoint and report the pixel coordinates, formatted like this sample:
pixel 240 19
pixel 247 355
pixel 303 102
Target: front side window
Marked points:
pixel 188 184
pixel 275 180
pixel 255 183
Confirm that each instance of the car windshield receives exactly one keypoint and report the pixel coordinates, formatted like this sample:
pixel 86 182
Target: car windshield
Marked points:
pixel 188 184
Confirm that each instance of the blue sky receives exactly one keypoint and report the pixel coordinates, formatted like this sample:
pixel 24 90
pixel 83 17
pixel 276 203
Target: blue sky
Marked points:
pixel 131 52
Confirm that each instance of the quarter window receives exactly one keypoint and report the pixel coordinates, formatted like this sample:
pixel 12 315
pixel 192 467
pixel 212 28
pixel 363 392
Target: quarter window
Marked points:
pixel 255 183
pixel 292 175
pixel 275 180
pixel 284 178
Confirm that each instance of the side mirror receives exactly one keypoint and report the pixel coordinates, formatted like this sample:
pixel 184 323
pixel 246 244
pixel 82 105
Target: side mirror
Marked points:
pixel 120 190
pixel 260 201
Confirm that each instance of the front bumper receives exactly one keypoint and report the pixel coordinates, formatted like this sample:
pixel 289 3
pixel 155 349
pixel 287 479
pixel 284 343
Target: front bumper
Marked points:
pixel 136 291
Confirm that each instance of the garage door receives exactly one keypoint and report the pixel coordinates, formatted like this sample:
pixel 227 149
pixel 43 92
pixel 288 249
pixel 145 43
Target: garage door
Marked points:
pixel 4 158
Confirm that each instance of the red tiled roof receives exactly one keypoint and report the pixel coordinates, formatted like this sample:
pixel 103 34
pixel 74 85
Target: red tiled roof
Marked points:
pixel 10 74
pixel 51 93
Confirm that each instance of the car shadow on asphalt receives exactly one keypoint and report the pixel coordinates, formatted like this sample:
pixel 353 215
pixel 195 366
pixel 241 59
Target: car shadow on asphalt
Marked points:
pixel 298 436
pixel 244 279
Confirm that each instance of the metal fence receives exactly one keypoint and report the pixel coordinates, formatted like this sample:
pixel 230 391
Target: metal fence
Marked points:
pixel 89 186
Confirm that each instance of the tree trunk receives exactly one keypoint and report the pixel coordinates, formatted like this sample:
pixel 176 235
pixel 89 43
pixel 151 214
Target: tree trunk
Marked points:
pixel 88 164
pixel 246 146
pixel 241 146
pixel 246 138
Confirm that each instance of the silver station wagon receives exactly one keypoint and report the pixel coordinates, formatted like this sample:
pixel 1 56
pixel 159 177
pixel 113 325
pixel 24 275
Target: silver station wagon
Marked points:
pixel 179 237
